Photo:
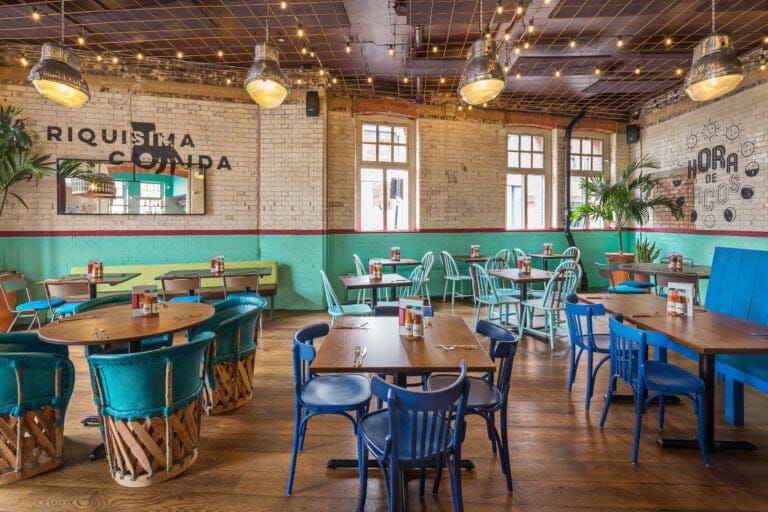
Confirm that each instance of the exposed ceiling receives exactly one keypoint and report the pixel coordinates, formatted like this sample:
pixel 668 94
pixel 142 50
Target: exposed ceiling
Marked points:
pixel 430 39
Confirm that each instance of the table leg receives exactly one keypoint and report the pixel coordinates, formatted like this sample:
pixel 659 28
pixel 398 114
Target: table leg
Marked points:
pixel 374 297
pixel 91 290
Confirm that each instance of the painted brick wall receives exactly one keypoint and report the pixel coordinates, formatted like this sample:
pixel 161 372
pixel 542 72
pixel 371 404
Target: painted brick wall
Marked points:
pixel 726 144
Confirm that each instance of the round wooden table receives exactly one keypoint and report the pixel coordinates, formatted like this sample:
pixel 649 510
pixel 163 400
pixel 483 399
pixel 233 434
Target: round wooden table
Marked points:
pixel 115 325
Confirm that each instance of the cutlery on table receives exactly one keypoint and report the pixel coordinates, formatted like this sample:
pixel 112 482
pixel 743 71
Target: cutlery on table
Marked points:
pixel 639 315
pixel 361 326
pixel 73 318
pixel 758 334
pixel 459 347
pixel 360 357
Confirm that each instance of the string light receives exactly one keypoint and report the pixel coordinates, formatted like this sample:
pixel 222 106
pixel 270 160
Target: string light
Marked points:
pixel 35 14
pixel 348 48
pixel 304 50
pixel 391 50
pixel 370 79
pixel 668 41
pixel 99 58
pixel 637 70
pixel 499 7
pixel 115 60
pixel 24 61
pixel 517 49
pixel 139 56
pixel 179 54
pixel 405 79
pixel 520 8
pixel 526 45
pixel 442 79
pixel 300 30
pixel 572 43
pixel 220 53
pixel 507 37
pixel 557 72
pixel 312 52
pixel 620 42
pixel 434 49
pixel 598 71
pixel 518 75
pixel 283 5
pixel 678 71
pixel 80 40
pixel 229 81
pixel 531 28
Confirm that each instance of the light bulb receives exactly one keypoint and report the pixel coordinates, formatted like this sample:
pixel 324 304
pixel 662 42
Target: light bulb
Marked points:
pixel 348 48
pixel 283 4
pixel 620 42
pixel 220 53
pixel 300 30
pixel 557 72
pixel 35 14
pixel 572 43
pixel 520 9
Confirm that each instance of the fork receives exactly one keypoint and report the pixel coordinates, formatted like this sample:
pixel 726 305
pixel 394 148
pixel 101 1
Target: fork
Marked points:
pixel 362 356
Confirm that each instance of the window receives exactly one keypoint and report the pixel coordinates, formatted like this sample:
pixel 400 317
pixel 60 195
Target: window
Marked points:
pixel 120 203
pixel 151 198
pixel 587 157
pixel 384 178
pixel 526 182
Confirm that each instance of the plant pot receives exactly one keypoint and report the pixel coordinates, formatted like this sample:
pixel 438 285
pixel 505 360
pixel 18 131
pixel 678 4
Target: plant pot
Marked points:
pixel 618 258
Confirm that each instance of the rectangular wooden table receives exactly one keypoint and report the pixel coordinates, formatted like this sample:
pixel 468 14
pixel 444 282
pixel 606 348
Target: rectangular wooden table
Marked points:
pixel 652 268
pixel 388 352
pixel 707 333
pixel 393 264
pixel 366 283
pixel 546 257
pixel 111 279
pixel 514 275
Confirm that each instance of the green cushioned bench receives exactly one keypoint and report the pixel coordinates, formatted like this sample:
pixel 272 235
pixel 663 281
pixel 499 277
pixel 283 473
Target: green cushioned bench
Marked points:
pixel 211 285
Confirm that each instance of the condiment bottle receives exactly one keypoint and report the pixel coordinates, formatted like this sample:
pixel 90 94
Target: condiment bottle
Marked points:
pixel 214 264
pixel 147 305
pixel 155 305
pixel 527 265
pixel 409 322
pixel 681 305
pixel 672 302
pixel 418 322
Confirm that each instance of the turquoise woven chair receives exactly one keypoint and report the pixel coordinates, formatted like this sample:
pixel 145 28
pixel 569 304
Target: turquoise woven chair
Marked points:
pixel 335 308
pixel 239 286
pixel 451 275
pixel 25 306
pixel 229 375
pixel 151 410
pixel 36 382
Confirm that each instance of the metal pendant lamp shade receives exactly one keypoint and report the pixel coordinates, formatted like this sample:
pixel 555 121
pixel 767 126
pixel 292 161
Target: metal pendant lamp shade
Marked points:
pixel 265 82
pixel 483 77
pixel 97 185
pixel 57 77
pixel 715 71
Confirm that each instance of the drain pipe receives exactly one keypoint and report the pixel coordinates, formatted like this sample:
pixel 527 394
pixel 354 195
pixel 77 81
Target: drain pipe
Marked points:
pixel 567 188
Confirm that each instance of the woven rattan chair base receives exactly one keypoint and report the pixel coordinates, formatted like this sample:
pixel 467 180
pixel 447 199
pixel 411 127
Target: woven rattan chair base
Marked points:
pixel 233 386
pixel 29 445
pixel 145 451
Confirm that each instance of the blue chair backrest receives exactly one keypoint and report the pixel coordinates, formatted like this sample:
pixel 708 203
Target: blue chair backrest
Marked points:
pixel 133 386
pixel 579 318
pixel 304 352
pixel 737 284
pixel 420 419
pixel 626 343
pixel 503 347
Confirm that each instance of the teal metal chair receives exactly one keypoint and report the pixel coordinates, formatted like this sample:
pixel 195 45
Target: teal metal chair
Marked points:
pixel 416 430
pixel 427 261
pixel 363 295
pixel 150 405
pixel 550 305
pixel 416 277
pixel 36 382
pixel 229 375
pixel 451 275
pixel 325 394
pixel 485 294
pixel 25 306
pixel 650 380
pixel 335 307
pixel 499 263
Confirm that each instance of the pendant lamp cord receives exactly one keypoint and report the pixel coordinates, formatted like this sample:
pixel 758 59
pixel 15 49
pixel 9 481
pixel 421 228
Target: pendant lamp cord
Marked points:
pixel 62 23
pixel 713 17
pixel 481 18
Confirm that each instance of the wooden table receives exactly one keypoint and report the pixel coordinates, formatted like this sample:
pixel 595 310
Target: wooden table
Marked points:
pixel 393 264
pixel 115 324
pixel 366 283
pixel 111 279
pixel 514 275
pixel 652 268
pixel 707 333
pixel 207 274
pixel 546 257
pixel 471 259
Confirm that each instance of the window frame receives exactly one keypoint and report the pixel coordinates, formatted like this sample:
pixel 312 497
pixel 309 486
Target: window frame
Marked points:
pixel 578 174
pixel 545 171
pixel 409 166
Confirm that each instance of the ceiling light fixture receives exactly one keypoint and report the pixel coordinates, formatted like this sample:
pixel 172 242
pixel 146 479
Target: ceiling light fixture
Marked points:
pixel 57 76
pixel 620 42
pixel 93 183
pixel 483 78
pixel 716 69
pixel 266 83
pixel 520 8
pixel 572 43
pixel 499 7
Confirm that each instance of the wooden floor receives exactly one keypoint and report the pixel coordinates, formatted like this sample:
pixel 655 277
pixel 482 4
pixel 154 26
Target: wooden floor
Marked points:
pixel 561 460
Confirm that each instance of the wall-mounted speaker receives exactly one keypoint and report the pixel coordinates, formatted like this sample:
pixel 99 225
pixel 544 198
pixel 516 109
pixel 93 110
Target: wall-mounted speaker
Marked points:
pixel 633 134
pixel 313 104
pixel 396 188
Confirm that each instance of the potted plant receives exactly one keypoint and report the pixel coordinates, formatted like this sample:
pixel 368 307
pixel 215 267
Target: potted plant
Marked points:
pixel 17 163
pixel 630 198
pixel 646 251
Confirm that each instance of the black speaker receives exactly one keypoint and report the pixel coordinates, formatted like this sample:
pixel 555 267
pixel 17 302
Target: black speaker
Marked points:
pixel 633 133
pixel 396 188
pixel 313 104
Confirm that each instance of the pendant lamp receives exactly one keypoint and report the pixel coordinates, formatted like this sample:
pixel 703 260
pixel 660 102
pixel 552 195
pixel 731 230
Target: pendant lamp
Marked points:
pixel 483 78
pixel 57 76
pixel 265 82
pixel 716 69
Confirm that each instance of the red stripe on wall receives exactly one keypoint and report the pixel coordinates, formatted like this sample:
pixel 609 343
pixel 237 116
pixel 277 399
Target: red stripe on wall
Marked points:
pixel 170 232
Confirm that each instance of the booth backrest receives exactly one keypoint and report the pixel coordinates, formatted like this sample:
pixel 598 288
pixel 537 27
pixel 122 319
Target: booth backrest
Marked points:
pixel 737 284
pixel 151 271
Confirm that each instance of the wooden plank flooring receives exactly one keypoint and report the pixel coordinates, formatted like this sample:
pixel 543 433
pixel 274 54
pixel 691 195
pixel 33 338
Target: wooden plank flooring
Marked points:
pixel 561 460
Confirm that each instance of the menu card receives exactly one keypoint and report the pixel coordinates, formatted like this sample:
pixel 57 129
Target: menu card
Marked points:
pixel 685 289
pixel 144 294
pixel 405 303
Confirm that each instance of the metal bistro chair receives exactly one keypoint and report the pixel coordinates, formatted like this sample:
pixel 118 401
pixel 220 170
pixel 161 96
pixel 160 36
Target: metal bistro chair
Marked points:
pixel 36 382
pixel 25 306
pixel 650 380
pixel 584 339
pixel 363 295
pixel 622 287
pixel 73 291
pixel 417 429
pixel 662 280
pixel 427 261
pixel 326 394
pixel 487 397
pixel 416 277
pixel 335 308
pixel 451 275
pixel 560 285
pixel 187 289
pixel 573 253
pixel 486 294
pixel 152 435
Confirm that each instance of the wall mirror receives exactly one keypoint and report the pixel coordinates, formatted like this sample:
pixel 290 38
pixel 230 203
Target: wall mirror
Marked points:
pixel 129 189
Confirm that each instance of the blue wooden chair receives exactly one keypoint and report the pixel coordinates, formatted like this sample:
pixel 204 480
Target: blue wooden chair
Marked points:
pixel 487 397
pixel 36 382
pixel 25 306
pixel 451 275
pixel 151 435
pixel 486 294
pixel 650 380
pixel 416 430
pixel 584 340
pixel 335 308
pixel 229 375
pixel 562 283
pixel 326 394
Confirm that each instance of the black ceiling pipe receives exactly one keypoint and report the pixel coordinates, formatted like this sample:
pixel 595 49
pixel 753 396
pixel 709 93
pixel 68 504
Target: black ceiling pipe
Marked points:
pixel 567 188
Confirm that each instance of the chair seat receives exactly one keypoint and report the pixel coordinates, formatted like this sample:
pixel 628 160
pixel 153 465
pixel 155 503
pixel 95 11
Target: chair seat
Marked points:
pixel 671 379
pixel 67 308
pixel 458 278
pixel 602 343
pixel 637 284
pixel 624 289
pixel 336 391
pixel 187 298
pixel 355 309
pixel 375 427
pixel 39 305
pixel 481 393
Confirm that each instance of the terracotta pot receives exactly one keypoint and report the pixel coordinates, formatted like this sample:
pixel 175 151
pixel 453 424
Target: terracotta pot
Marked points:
pixel 617 258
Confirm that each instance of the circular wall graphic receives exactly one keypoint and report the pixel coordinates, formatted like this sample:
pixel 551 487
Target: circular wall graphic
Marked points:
pixel 709 220
pixel 747 148
pixel 752 169
pixel 680 201
pixel 747 192
pixel 729 214
pixel 694 216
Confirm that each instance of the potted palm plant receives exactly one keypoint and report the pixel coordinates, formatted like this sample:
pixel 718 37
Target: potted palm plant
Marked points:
pixel 629 199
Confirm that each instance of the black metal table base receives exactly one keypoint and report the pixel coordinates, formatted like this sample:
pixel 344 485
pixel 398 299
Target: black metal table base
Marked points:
pixel 352 464
pixel 716 446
